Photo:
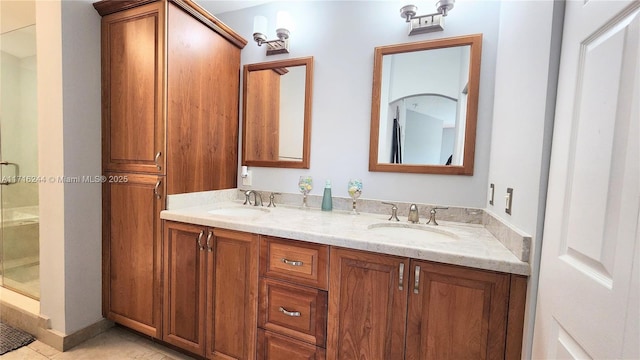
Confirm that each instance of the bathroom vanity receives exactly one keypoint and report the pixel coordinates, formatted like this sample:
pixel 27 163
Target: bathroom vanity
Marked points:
pixel 307 284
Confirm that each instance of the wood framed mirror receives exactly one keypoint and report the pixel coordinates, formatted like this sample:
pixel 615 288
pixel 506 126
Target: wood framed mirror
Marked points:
pixel 424 106
pixel 277 113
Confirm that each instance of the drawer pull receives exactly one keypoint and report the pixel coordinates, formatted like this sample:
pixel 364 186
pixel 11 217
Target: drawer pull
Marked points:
pixel 289 313
pixel 292 262
pixel 209 247
pixel 401 277
pixel 416 281
pixel 200 246
pixel 156 190
pixel 155 160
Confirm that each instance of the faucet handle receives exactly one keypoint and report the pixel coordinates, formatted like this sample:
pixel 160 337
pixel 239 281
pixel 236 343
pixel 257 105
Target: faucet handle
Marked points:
pixel 246 196
pixel 432 215
pixel 271 198
pixel 394 211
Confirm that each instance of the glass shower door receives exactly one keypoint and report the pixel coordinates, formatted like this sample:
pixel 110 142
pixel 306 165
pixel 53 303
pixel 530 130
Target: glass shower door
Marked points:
pixel 19 216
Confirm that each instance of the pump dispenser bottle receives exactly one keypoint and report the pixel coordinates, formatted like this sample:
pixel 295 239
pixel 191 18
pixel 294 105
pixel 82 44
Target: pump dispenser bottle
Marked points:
pixel 327 201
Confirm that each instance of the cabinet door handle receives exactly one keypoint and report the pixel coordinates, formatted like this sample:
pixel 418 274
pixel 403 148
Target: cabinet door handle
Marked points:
pixel 401 277
pixel 209 247
pixel 289 313
pixel 416 280
pixel 200 246
pixel 155 160
pixel 292 262
pixel 156 189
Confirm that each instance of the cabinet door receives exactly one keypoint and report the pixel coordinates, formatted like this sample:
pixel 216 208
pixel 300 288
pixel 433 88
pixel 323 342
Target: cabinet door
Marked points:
pixel 132 251
pixel 367 305
pixel 132 90
pixel 202 111
pixel 184 286
pixel 456 312
pixel 233 295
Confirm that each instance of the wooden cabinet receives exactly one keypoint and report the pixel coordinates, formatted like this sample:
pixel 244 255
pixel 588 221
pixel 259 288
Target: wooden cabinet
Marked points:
pixel 367 305
pixel 388 307
pixel 170 90
pixel 210 291
pixel 132 250
pixel 133 129
pixel 292 313
pixel 170 70
pixel 456 313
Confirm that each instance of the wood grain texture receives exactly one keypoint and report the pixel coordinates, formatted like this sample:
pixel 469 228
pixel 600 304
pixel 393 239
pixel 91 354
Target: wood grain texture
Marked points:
pixel 106 7
pixel 310 326
pixel 185 274
pixel 367 308
pixel 262 116
pixel 132 90
pixel 202 106
pixel 515 320
pixel 272 346
pixel 233 300
pixel 475 41
pixel 458 313
pixel 314 270
pixel 132 248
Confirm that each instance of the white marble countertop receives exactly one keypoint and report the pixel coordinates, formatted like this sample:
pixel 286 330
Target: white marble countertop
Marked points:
pixel 467 245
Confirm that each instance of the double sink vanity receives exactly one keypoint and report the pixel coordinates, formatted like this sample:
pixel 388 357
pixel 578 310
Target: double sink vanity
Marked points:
pixel 223 280
pixel 308 284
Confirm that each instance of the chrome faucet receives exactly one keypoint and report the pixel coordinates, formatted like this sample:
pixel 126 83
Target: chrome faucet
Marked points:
pixel 432 215
pixel 256 198
pixel 413 214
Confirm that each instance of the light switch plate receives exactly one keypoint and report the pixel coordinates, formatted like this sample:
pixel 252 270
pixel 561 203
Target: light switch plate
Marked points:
pixel 509 201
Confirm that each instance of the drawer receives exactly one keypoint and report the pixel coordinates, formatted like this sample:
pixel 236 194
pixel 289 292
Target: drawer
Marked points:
pixel 297 261
pixel 272 346
pixel 296 311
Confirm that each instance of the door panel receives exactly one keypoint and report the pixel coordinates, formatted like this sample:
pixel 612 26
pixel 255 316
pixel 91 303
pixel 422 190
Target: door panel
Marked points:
pixel 233 295
pixel 133 100
pixel 370 289
pixel 184 290
pixel 132 251
pixel 590 239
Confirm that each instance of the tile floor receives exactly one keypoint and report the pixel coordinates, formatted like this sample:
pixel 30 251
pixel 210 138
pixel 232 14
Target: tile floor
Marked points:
pixel 114 344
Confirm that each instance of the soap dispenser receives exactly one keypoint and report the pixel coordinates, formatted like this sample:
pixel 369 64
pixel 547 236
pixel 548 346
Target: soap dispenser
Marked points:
pixel 327 201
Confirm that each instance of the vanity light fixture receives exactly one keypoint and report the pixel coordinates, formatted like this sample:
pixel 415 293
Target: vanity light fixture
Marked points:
pixel 275 46
pixel 421 24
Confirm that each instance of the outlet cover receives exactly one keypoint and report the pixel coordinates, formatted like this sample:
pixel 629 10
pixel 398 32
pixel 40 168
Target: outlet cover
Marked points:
pixel 247 179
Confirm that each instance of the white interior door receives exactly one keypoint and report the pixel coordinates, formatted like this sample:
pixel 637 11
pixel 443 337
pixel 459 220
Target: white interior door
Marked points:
pixel 588 292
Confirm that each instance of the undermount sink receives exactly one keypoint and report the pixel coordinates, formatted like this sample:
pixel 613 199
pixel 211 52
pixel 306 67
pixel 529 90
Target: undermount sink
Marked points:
pixel 412 231
pixel 239 211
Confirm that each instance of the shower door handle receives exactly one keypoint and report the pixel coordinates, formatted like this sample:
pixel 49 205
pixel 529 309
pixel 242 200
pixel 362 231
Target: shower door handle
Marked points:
pixel 5 179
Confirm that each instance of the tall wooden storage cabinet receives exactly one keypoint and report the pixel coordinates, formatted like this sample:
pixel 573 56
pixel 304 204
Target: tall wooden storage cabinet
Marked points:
pixel 170 89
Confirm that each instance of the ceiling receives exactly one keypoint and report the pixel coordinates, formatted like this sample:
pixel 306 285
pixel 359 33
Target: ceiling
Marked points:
pixel 15 14
pixel 17 33
pixel 218 6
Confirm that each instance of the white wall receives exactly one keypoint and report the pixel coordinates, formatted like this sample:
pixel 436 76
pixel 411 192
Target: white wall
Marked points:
pixel 50 154
pixel 68 35
pixel 341 36
pixel 82 156
pixel 526 79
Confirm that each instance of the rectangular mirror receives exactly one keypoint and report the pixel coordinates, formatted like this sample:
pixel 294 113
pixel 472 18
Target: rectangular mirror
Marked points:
pixel 424 106
pixel 277 113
